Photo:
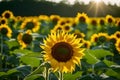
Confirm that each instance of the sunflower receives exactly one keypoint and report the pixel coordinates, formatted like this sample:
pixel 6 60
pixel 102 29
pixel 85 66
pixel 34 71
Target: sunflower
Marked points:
pixel 101 22
pixel 81 18
pixel 13 20
pixel 25 38
pixel 62 21
pixel 113 38
pixel 103 37
pixel 7 14
pixel 117 44
pixel 94 38
pixel 79 34
pixel 110 20
pixel 69 20
pixel 74 24
pixel 31 23
pixel 3 20
pixel 62 51
pixel 93 21
pixel 55 18
pixel 44 18
pixel 67 27
pixel 5 30
pixel 86 44
pixel 58 27
pixel 81 40
pixel 117 34
pixel 19 18
pixel 116 19
pixel 118 23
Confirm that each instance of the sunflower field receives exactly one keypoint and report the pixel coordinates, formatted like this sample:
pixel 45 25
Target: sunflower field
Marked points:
pixel 59 48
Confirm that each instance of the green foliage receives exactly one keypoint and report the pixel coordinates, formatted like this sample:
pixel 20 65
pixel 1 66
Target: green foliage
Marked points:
pixel 35 77
pixel 100 62
pixel 94 56
pixel 73 76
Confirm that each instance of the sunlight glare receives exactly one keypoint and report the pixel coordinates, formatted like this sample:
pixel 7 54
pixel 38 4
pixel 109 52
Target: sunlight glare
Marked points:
pixel 112 2
pixel 97 1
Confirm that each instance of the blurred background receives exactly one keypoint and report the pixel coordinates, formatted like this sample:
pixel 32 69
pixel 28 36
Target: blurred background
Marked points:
pixel 66 8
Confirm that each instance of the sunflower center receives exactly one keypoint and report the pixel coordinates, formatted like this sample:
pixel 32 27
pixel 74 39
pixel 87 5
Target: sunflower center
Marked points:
pixel 30 25
pixel 119 45
pixel 62 23
pixel 67 28
pixel 86 45
pixel 119 23
pixel 102 38
pixel 102 22
pixel 96 39
pixel 4 31
pixel 67 21
pixel 82 19
pixel 94 23
pixel 7 15
pixel 27 39
pixel 110 20
pixel 62 51
pixel 118 35
pixel 3 21
pixel 55 20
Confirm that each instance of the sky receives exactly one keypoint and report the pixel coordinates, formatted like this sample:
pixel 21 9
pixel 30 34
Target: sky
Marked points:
pixel 112 2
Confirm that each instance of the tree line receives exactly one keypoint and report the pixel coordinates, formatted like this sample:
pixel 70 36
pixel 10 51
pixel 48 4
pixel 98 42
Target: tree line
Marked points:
pixel 35 8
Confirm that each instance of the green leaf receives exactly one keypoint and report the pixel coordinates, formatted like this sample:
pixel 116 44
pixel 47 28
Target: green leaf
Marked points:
pixel 35 77
pixel 111 30
pixel 69 76
pixel 35 54
pixel 100 65
pixel 90 58
pixel 38 70
pixel 2 74
pixel 25 52
pixel 116 68
pixel 108 63
pixel 101 53
pixel 12 60
pixel 21 51
pixel 24 70
pixel 12 43
pixel 9 72
pixel 32 61
pixel 112 73
pixel 87 77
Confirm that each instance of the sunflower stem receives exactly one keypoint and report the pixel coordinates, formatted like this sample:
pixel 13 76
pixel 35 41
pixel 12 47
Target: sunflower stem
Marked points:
pixel 18 77
pixel 61 75
pixel 102 46
pixel 31 45
pixel 46 73
pixel 1 53
pixel 93 71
